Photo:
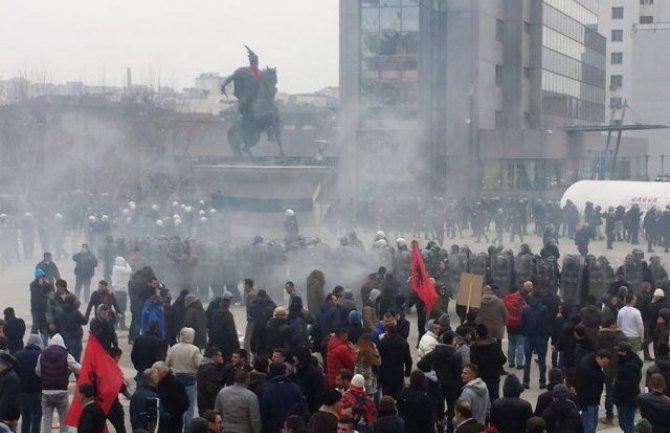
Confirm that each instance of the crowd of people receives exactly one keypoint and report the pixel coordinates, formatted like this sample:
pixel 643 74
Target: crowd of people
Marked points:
pixel 318 360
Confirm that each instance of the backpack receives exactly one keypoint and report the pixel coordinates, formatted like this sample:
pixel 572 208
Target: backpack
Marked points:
pixel 360 408
pixel 514 305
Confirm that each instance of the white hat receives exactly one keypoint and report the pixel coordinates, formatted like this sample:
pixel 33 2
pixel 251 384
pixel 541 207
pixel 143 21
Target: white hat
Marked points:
pixel 125 211
pixel 401 241
pixel 203 219
pixel 659 293
pixel 175 203
pixel 380 243
pixel 358 381
pixel 159 223
pixel 290 212
pixel 201 212
pixel 154 207
pixel 91 218
pixel 131 204
pixel 57 216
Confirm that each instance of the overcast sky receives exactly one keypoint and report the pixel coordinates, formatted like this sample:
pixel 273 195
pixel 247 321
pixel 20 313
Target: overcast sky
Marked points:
pixel 168 40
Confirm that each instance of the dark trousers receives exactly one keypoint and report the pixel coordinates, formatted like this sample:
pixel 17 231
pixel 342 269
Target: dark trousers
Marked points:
pixel 493 385
pixel 115 416
pixel 31 412
pixel 85 282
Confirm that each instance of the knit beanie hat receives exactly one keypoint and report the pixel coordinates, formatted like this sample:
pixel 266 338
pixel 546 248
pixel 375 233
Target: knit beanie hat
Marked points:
pixel 358 381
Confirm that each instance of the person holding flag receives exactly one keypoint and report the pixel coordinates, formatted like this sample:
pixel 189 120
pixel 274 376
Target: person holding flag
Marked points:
pixel 423 294
pixel 100 370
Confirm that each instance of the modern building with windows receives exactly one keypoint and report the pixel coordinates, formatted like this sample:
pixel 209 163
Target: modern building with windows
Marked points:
pixel 475 96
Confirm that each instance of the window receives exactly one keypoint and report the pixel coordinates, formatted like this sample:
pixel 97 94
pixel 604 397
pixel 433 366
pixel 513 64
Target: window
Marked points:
pixel 617 36
pixel 499 30
pixel 646 19
pixel 616 58
pixel 616 103
pixel 616 81
pixel 646 2
pixel 617 13
pixel 499 74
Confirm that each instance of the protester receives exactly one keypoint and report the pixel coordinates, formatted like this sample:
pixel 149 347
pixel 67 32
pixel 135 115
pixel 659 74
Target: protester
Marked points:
pixel 103 328
pixel 325 419
pixel 464 420
pixel 340 354
pixel 239 407
pixel 510 413
pixel 415 406
pixel 92 418
pixel 487 355
pixel 209 379
pixel 655 405
pixel 589 382
pixel 627 385
pixel 14 330
pixel 31 385
pixel 144 402
pixel 54 366
pixel 280 398
pixel 183 359
pixel 475 393
pixel 173 400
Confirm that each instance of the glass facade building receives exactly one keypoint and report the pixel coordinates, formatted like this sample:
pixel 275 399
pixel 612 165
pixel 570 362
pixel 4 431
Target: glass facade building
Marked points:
pixel 573 64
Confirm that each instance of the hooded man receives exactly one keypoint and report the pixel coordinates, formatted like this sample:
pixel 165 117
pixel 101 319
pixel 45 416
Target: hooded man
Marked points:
pixel 31 385
pixel 54 366
pixel 70 326
pixel 475 392
pixel 184 358
pixel 510 413
pixel 489 357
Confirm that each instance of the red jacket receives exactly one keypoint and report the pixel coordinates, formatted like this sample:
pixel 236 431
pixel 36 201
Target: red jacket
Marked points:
pixel 340 355
pixel 356 397
pixel 514 303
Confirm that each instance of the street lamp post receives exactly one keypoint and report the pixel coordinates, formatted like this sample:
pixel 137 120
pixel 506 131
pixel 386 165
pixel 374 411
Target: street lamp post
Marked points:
pixel 662 164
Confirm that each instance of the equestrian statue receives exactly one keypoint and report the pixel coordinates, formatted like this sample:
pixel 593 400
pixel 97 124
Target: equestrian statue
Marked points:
pixel 255 90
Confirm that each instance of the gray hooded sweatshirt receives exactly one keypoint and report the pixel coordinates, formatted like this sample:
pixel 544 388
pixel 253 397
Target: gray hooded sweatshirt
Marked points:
pixel 477 394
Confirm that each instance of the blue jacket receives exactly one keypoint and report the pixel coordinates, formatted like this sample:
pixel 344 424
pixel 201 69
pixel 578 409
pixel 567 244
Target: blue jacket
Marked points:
pixel 152 311
pixel 326 321
pixel 535 320
pixel 27 361
pixel 281 398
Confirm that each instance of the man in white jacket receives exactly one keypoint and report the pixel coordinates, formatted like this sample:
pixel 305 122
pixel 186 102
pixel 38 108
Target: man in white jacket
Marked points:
pixel 430 339
pixel 184 358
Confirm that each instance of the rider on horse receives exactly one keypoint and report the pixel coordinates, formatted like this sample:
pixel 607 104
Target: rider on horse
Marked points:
pixel 247 81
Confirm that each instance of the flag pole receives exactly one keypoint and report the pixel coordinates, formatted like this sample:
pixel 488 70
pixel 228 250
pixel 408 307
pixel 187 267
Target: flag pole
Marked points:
pixel 469 295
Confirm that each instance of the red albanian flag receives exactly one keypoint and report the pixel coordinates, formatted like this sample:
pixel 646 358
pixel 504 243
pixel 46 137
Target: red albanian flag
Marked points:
pixel 420 280
pixel 99 369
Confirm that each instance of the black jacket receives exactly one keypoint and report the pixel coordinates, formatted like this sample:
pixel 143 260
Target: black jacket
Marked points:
pixel 396 361
pixel 138 406
pixel 105 333
pixel 627 383
pixel 589 382
pixel 655 408
pixel 10 386
pixel 545 399
pixel 210 381
pixel 222 332
pixel 92 419
pixel 278 334
pixel 70 323
pixel 509 414
pixel 312 382
pixel 416 408
pixel 27 361
pixel 489 357
pixel 583 347
pixel 174 402
pixel 661 366
pixel 15 329
pixel 147 349
pixel 448 365
pixel 389 423
pixel 562 416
